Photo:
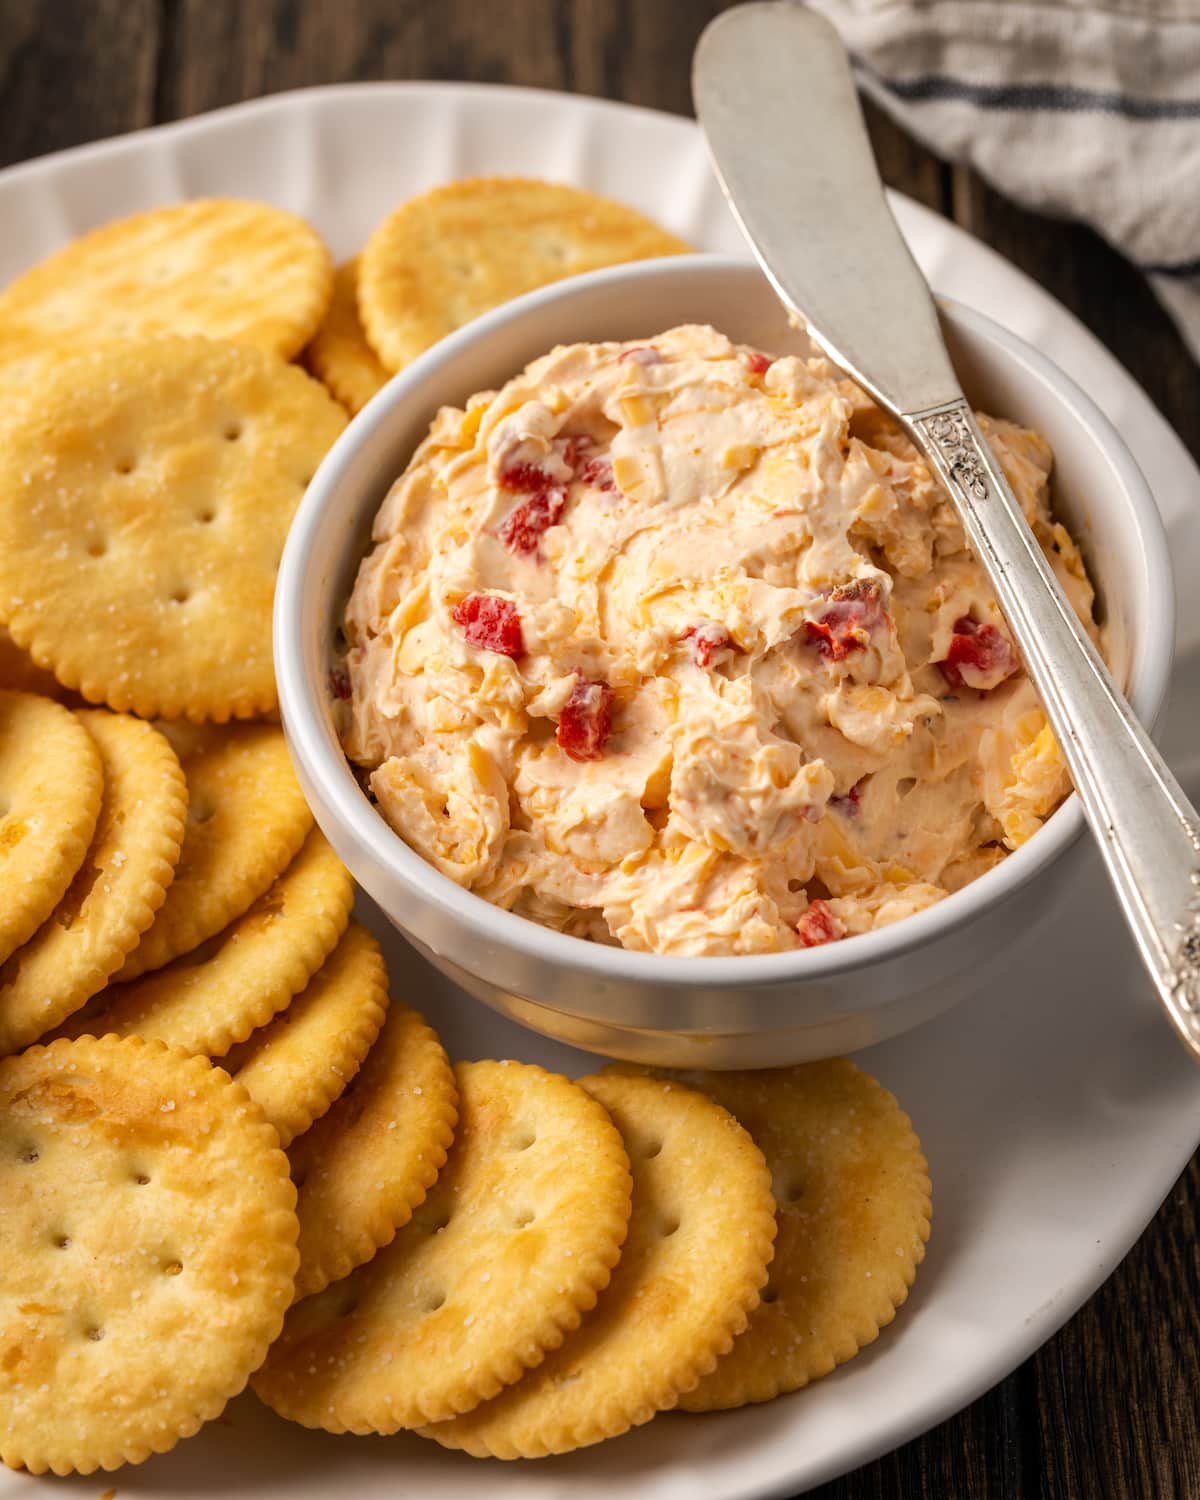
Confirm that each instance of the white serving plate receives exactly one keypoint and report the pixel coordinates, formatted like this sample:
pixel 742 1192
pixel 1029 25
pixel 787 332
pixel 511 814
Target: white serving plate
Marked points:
pixel 1055 1107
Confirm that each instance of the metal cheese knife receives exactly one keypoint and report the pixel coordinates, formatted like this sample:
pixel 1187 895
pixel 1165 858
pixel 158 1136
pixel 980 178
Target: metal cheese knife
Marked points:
pixel 774 92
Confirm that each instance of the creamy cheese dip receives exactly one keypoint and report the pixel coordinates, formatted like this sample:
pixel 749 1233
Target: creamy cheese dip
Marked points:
pixel 680 647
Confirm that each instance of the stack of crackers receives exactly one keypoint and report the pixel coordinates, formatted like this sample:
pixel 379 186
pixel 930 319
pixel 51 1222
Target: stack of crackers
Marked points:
pixel 224 1155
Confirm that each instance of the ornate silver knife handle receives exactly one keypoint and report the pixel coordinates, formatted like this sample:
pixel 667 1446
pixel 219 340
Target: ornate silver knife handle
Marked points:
pixel 1145 826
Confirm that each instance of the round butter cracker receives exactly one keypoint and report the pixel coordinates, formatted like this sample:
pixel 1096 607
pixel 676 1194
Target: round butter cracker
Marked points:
pixel 297 1066
pixel 369 1161
pixel 511 1247
pixel 148 1250
pixel 853 1195
pixel 146 491
pixel 51 781
pixel 114 895
pixel 450 254
pixel 226 268
pixel 246 819
pixel 20 673
pixel 217 994
pixel 339 355
pixel 700 1241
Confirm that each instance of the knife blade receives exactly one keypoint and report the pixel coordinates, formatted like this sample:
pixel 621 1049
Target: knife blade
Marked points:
pixel 796 163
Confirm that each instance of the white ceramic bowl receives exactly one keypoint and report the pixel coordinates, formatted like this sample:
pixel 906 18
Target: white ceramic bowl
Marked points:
pixel 754 1011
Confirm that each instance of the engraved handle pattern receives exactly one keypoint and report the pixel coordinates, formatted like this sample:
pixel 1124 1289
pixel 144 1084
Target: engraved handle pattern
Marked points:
pixel 1148 832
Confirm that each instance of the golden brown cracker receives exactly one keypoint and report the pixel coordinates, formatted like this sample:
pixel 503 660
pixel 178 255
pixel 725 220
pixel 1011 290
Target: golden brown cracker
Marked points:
pixel 115 892
pixel 297 1066
pixel 218 993
pixel 339 355
pixel 17 375
pixel 223 267
pixel 147 1255
pixel 145 496
pixel 20 673
pixel 700 1239
pixel 246 819
pixel 512 1246
pixel 853 1195
pixel 370 1160
pixel 50 785
pixel 452 253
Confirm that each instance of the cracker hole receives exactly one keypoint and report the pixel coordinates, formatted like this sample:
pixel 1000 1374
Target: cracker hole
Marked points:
pixel 180 595
pixel 172 1267
pixel 523 1140
pixel 200 810
pixel 651 1150
pixel 124 466
pixel 97 547
pixel 206 516
pixel 232 431
pixel 436 1300
pixel 524 1217
pixel 668 1226
pixel 27 1153
pixel 61 1241
pixel 94 1332
pixel 769 1294
pixel 790 1192
pixel 141 1178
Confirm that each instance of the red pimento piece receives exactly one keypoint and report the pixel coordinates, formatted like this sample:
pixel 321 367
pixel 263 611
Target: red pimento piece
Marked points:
pixel 850 804
pixel 707 638
pixel 586 466
pixel 525 479
pixel 598 473
pixel 980 656
pixel 641 354
pixel 339 682
pixel 524 526
pixel 853 612
pixel 819 924
pixel 586 720
pixel 491 623
pixel 758 363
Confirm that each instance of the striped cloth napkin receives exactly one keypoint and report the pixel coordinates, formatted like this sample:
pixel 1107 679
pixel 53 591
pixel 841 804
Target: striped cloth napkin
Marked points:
pixel 1087 111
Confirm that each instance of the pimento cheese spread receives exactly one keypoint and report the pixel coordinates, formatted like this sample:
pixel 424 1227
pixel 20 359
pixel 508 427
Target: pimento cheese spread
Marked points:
pixel 677 646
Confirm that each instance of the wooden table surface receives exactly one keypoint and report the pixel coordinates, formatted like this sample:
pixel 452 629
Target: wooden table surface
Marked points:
pixel 1110 1407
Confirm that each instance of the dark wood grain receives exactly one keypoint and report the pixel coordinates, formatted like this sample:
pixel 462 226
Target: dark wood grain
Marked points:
pixel 218 53
pixel 1109 1408
pixel 74 72
pixel 1118 1392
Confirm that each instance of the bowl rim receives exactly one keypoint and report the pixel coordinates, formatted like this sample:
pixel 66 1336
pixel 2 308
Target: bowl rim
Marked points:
pixel 314 743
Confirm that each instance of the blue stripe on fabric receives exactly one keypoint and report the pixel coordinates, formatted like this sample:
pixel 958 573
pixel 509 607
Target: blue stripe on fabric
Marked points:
pixel 1180 269
pixel 1064 98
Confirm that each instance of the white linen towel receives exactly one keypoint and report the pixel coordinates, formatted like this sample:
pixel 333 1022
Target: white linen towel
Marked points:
pixel 1087 111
